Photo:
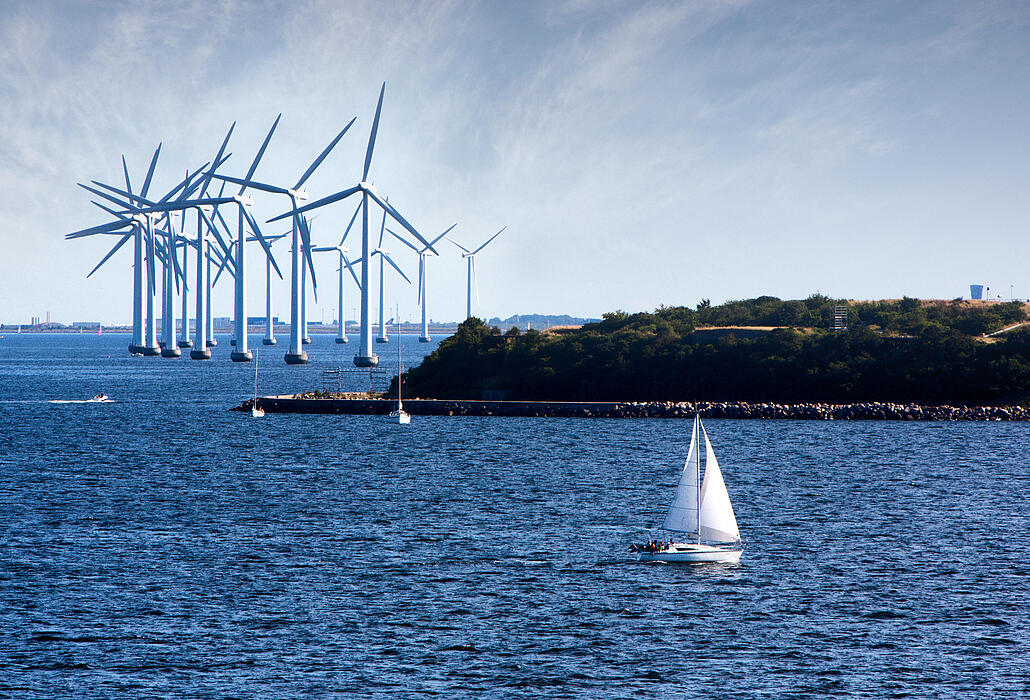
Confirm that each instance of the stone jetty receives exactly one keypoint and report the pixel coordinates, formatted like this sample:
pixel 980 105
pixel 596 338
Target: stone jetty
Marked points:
pixel 649 409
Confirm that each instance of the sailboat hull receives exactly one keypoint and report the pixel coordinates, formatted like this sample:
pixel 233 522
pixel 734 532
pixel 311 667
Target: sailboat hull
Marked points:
pixel 693 553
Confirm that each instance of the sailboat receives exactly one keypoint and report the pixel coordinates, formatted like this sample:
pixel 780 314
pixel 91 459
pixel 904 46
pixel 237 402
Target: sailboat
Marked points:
pixel 402 416
pixel 254 410
pixel 701 510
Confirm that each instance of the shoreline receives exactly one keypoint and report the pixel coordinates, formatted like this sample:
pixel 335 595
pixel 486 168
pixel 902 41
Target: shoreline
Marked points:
pixel 649 409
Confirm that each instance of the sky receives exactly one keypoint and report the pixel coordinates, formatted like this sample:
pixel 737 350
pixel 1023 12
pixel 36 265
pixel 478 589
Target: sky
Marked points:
pixel 639 153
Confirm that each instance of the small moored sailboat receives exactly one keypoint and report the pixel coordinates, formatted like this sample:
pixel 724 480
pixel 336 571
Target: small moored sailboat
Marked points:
pixel 400 415
pixel 701 510
pixel 255 410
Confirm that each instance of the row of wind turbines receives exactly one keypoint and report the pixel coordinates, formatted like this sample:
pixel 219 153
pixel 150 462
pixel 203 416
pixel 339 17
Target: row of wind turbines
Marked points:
pixel 157 226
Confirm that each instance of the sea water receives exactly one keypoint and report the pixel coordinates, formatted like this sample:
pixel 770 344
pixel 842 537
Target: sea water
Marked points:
pixel 162 546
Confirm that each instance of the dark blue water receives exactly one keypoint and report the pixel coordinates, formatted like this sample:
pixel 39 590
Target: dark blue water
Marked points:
pixel 161 546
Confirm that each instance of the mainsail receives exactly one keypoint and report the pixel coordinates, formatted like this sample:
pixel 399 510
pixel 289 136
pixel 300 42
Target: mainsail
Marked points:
pixel 682 516
pixel 718 524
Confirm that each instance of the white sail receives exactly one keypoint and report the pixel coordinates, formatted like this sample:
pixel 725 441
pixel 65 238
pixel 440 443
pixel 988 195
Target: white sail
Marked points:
pixel 682 516
pixel 718 524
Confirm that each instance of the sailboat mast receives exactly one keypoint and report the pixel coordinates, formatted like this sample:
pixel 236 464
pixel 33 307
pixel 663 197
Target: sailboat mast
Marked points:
pixel 697 480
pixel 399 368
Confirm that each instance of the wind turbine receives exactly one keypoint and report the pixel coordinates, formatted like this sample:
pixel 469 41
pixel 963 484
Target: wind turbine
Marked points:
pixel 143 234
pixel 269 338
pixel 422 253
pixel 342 250
pixel 470 255
pixel 365 356
pixel 138 345
pixel 384 257
pixel 295 355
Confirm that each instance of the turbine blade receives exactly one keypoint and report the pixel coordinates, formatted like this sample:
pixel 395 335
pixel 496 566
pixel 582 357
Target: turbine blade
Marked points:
pixel 152 208
pixel 372 135
pixel 349 264
pixel 251 183
pixel 382 227
pixel 261 152
pixel 475 280
pixel 305 246
pixel 214 230
pixel 396 215
pixel 421 274
pixel 125 169
pixel 109 210
pixel 437 239
pixel 102 228
pixel 150 172
pixel 113 250
pixel 224 266
pixel 218 159
pixel 120 202
pixel 261 239
pixel 414 248
pixel 395 267
pixel 343 194
pixel 127 195
pixel 351 223
pixel 488 241
pixel 463 248
pixel 322 156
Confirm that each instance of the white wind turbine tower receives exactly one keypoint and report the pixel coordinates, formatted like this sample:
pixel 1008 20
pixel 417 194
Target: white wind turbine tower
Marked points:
pixel 342 250
pixel 341 333
pixel 365 356
pixel 269 338
pixel 166 251
pixel 422 274
pixel 139 345
pixel 295 355
pixel 143 231
pixel 240 353
pixel 470 255
pixel 384 257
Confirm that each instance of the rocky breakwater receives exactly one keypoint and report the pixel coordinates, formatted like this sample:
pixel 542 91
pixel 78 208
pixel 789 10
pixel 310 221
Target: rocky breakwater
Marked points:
pixel 823 411
pixel 647 409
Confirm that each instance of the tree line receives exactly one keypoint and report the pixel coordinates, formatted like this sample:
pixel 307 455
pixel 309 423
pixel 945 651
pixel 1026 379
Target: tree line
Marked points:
pixel 904 351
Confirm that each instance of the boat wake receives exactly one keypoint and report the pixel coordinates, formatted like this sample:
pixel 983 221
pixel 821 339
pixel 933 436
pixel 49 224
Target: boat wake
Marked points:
pixel 104 400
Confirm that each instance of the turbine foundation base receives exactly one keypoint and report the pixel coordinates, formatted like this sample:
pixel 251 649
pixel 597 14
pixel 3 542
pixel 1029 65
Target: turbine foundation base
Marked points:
pixel 366 361
pixel 306 341
pixel 341 341
pixel 424 339
pixel 136 349
pixel 382 339
pixel 170 352
pixel 245 356
pixel 200 354
pixel 212 343
pixel 297 358
pixel 185 343
pixel 268 341
pixel 150 352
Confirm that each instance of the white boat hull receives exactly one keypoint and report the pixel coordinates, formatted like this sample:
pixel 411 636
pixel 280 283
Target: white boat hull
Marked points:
pixel 402 417
pixel 696 553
